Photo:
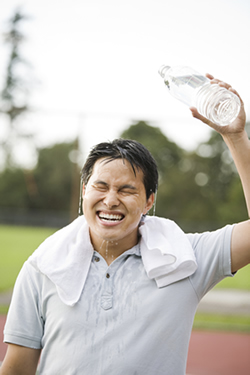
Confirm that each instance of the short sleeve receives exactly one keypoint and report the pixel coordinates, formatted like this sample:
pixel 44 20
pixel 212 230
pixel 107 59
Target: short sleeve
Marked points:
pixel 24 324
pixel 213 255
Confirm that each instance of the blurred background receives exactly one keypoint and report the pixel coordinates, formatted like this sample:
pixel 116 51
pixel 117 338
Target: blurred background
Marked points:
pixel 75 73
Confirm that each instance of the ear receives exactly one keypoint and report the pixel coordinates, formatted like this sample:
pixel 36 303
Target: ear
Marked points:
pixel 83 189
pixel 82 193
pixel 149 203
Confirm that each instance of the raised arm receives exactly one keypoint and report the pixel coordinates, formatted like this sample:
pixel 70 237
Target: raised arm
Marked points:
pixel 238 143
pixel 20 360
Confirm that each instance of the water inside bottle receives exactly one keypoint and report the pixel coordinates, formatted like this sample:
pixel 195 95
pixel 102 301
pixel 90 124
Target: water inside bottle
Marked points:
pixel 193 81
pixel 184 87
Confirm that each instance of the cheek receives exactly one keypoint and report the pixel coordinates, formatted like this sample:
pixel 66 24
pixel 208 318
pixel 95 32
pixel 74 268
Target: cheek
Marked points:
pixel 137 211
pixel 87 201
pixel 137 207
pixel 90 196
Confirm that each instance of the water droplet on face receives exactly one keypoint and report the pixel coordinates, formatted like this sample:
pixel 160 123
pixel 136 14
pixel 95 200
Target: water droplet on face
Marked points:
pixel 103 242
pixel 154 204
pixel 107 250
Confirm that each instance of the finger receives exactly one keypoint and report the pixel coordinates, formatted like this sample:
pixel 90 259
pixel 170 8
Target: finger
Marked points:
pixel 220 83
pixel 217 81
pixel 198 116
pixel 236 93
pixel 225 85
pixel 209 76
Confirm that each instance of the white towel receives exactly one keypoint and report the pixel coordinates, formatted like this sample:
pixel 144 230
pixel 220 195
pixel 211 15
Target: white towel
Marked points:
pixel 166 252
pixel 65 257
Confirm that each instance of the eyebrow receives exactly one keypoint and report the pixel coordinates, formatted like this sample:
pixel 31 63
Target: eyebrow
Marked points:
pixel 126 186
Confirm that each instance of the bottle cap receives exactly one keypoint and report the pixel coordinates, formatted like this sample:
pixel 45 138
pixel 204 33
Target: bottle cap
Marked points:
pixel 163 70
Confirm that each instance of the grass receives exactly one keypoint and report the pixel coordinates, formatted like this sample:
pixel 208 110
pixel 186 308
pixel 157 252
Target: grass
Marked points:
pixel 241 280
pixel 216 322
pixel 16 245
pixel 4 309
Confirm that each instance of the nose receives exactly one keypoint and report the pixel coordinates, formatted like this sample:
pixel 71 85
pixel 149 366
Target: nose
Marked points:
pixel 111 199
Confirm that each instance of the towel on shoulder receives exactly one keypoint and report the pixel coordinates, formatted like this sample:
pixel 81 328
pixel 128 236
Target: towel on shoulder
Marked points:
pixel 65 257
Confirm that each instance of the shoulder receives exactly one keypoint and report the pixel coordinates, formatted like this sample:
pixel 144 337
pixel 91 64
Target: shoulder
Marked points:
pixel 213 254
pixel 211 239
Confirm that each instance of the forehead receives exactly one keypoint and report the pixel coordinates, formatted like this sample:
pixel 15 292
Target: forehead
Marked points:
pixel 116 168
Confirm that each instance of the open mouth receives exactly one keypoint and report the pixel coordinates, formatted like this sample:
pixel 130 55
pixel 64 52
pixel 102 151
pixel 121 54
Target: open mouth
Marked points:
pixel 110 217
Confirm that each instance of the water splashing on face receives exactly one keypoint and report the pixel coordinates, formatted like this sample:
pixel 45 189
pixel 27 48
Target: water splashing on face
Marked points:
pixel 154 204
pixel 107 249
pixel 103 242
pixel 104 249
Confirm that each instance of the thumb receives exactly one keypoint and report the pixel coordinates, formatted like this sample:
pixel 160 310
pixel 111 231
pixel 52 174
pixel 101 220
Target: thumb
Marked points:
pixel 197 115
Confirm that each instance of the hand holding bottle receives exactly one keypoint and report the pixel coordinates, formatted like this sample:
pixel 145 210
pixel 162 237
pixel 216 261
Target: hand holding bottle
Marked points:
pixel 215 102
pixel 237 126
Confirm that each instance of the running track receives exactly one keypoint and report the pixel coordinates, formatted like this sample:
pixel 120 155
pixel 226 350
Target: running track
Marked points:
pixel 210 353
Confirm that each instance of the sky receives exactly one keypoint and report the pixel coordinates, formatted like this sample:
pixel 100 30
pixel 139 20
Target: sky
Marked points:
pixel 96 65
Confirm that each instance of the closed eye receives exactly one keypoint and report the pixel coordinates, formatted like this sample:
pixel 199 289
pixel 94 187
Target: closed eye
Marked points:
pixel 128 189
pixel 101 186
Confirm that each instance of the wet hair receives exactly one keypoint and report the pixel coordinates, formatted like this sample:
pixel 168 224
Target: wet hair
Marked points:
pixel 134 152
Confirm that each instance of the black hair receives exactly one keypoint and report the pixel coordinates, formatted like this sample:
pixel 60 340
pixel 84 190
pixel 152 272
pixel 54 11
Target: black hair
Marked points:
pixel 134 152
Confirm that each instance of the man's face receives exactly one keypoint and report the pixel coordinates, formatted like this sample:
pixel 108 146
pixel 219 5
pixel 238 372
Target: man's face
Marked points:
pixel 114 200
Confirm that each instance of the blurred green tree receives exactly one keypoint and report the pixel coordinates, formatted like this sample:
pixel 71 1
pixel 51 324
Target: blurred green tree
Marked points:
pixel 13 191
pixel 169 159
pixel 54 175
pixel 53 185
pixel 200 190
pixel 14 95
pixel 223 187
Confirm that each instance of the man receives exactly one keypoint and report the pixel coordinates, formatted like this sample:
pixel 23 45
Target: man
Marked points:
pixel 116 292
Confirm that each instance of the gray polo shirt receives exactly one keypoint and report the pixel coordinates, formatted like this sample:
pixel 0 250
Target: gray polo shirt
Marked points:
pixel 123 324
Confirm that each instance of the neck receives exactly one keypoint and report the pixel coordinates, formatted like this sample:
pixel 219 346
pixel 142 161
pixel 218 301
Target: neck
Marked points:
pixel 110 250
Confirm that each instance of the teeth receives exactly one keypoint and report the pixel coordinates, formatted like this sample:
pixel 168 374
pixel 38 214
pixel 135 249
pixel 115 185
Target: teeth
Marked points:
pixel 105 216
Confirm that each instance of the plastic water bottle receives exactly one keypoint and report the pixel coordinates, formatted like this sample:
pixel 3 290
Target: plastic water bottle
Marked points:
pixel 216 103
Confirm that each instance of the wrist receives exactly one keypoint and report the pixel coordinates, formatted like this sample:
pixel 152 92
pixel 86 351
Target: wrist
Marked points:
pixel 237 138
